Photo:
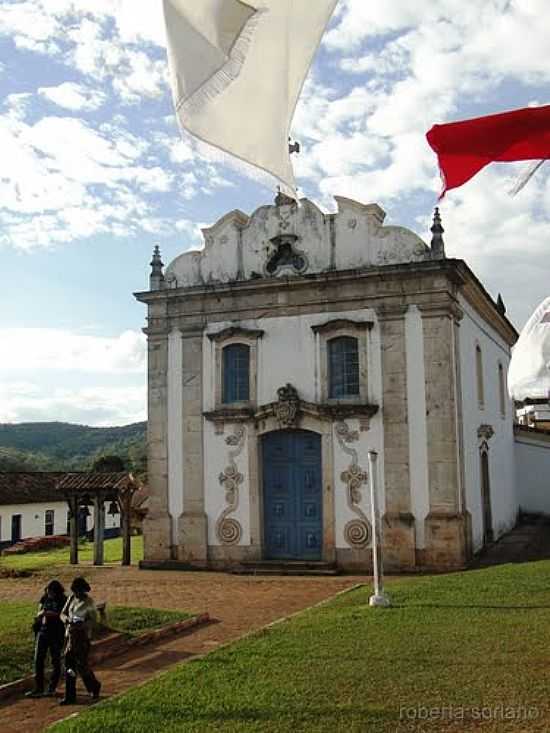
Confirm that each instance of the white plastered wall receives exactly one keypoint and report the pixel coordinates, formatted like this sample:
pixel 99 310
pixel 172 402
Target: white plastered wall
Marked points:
pixel 33 519
pixel 533 472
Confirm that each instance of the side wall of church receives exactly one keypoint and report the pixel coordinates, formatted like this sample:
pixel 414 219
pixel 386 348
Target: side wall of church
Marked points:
pixel 485 417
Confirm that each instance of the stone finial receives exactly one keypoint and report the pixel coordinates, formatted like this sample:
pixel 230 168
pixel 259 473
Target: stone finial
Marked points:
pixel 501 308
pixel 156 278
pixel 438 245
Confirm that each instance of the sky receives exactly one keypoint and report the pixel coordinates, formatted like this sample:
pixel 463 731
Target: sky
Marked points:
pixel 93 172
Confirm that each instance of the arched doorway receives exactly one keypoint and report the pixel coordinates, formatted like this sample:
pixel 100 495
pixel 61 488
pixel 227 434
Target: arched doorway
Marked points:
pixel 486 498
pixel 292 495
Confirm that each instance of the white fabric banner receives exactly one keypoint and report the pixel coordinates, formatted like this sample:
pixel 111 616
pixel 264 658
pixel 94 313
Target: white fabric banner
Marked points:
pixel 529 372
pixel 237 70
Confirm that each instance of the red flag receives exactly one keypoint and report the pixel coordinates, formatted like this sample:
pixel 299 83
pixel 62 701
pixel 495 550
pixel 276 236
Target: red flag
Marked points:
pixel 464 148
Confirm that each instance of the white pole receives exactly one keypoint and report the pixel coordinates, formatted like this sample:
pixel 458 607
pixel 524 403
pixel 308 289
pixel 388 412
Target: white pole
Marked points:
pixel 379 598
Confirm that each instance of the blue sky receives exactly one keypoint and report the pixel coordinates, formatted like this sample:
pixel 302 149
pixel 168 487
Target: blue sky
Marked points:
pixel 94 172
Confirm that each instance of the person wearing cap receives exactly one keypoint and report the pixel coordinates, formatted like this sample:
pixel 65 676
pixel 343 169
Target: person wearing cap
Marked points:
pixel 49 633
pixel 80 618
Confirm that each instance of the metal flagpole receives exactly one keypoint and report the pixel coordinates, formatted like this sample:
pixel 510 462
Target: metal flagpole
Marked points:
pixel 379 598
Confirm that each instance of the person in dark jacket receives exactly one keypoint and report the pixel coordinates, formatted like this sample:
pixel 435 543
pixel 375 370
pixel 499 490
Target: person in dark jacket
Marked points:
pixel 80 618
pixel 50 632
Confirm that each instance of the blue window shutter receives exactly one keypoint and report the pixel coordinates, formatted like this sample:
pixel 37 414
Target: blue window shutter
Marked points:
pixel 236 373
pixel 343 367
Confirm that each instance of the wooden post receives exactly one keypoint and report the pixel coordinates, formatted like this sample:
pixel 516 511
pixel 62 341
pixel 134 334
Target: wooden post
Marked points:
pixel 125 504
pixel 73 509
pixel 99 528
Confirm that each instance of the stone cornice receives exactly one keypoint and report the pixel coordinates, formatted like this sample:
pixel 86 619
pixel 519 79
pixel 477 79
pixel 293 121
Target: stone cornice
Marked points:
pixel 448 268
pixel 437 309
pixel 235 332
pixel 327 411
pixel 339 324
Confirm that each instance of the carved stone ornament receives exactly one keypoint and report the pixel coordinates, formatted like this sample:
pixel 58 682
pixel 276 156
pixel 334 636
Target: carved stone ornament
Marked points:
pixel 285 256
pixel 485 432
pixel 288 407
pixel 357 532
pixel 228 529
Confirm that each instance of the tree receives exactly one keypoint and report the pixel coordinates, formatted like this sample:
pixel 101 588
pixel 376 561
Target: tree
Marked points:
pixel 109 464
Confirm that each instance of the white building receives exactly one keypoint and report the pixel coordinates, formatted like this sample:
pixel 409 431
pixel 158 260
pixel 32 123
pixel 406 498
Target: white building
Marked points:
pixel 31 506
pixel 288 348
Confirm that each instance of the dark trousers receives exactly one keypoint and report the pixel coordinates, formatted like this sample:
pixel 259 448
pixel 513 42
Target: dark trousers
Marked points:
pixel 53 643
pixel 76 663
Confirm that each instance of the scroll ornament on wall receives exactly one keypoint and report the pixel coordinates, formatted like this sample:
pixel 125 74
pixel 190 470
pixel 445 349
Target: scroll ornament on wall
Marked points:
pixel 228 529
pixel 357 532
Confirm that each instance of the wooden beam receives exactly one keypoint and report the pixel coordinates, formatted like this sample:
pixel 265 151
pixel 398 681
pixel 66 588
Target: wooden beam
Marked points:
pixel 125 519
pixel 99 529
pixel 73 509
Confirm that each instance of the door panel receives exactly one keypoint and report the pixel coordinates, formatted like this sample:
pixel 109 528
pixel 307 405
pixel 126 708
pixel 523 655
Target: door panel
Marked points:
pixel 16 527
pixel 293 526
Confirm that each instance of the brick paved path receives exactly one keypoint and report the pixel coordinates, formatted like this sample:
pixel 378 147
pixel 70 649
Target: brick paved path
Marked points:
pixel 238 604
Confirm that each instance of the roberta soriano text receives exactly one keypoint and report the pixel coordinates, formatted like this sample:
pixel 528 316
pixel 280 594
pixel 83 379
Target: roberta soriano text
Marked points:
pixel 463 712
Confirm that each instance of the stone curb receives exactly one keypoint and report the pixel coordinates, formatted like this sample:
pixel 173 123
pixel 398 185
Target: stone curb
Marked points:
pixel 112 646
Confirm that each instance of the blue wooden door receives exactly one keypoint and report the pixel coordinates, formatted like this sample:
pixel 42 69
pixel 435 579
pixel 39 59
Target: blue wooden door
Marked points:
pixel 292 492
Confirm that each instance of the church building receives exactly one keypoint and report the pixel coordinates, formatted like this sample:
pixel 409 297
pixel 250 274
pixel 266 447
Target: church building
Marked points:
pixel 290 347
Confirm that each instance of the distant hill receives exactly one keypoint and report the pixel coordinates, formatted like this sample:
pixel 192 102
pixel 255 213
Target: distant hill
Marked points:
pixel 59 446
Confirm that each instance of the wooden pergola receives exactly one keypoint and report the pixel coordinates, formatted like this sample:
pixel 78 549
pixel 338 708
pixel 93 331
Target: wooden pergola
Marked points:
pixel 94 489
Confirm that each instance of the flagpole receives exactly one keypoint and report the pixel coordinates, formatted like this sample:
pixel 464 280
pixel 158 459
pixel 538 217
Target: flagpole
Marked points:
pixel 379 598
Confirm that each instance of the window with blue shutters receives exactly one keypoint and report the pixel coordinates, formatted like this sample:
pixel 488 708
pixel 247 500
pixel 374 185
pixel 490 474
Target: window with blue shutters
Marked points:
pixel 236 373
pixel 343 367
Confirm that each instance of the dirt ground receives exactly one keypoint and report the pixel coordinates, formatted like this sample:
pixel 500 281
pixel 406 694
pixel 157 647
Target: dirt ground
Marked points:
pixel 237 605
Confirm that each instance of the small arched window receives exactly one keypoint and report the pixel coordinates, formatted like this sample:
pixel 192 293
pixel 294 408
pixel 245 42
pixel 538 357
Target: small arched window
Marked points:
pixel 343 367
pixel 236 373
pixel 501 390
pixel 479 377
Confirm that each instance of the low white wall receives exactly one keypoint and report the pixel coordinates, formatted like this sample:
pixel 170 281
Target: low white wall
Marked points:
pixel 533 471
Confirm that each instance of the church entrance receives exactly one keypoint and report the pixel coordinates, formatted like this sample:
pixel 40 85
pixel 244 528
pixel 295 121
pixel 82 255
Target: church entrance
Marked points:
pixel 292 495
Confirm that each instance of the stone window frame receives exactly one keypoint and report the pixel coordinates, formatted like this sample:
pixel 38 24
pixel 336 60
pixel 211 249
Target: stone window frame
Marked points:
pixel 480 377
pixel 337 328
pixel 501 389
pixel 236 335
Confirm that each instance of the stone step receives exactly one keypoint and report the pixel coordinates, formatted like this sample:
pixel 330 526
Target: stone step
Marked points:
pixel 291 567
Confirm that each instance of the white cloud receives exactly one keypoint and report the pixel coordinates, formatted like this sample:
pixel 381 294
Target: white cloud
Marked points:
pixel 100 406
pixel 48 348
pixel 74 97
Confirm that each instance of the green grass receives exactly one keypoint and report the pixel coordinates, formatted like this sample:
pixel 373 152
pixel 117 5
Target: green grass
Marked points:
pixel 469 640
pixel 16 649
pixel 33 561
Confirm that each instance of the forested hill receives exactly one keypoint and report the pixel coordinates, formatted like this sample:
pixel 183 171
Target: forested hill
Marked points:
pixel 50 446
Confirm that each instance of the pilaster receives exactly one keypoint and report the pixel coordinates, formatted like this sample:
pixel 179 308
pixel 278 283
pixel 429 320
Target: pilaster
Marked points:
pixel 399 526
pixel 193 535
pixel 446 524
pixel 157 525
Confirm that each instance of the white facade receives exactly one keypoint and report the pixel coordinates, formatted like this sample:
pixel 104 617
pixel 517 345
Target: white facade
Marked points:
pixel 33 519
pixel 432 349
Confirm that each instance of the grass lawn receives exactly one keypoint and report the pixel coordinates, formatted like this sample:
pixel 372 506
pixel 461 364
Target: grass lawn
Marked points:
pixel 470 644
pixel 16 649
pixel 32 561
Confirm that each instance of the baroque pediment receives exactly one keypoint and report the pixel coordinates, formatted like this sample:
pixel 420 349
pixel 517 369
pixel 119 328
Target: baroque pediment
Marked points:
pixel 288 240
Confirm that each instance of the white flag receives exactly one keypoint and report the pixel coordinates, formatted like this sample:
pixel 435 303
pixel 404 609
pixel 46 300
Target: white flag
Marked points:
pixel 237 70
pixel 529 372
